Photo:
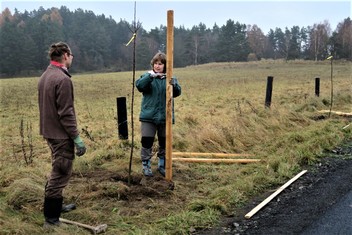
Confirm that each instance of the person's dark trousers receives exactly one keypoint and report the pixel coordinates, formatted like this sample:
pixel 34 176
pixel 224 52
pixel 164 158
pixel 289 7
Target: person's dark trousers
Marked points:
pixel 52 210
pixel 61 166
pixel 62 163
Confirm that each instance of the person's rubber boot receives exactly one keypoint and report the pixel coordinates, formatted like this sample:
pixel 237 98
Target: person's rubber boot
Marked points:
pixel 161 162
pixel 52 211
pixel 147 168
pixel 161 166
pixel 146 155
pixel 68 208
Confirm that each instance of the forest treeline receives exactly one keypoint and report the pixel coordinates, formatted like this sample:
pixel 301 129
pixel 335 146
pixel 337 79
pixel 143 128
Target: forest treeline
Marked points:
pixel 99 42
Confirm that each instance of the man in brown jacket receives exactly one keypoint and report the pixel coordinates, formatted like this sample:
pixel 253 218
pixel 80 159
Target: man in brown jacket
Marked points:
pixel 58 126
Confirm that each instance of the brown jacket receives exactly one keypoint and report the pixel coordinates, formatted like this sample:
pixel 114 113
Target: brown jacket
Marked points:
pixel 56 104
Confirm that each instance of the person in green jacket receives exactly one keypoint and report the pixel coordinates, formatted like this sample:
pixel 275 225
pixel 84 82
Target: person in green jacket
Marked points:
pixel 153 111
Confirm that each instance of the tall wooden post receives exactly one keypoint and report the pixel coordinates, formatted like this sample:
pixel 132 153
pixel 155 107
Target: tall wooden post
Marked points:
pixel 169 71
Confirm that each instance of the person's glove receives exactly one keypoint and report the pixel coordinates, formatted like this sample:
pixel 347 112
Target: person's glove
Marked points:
pixel 152 74
pixel 80 147
pixel 172 81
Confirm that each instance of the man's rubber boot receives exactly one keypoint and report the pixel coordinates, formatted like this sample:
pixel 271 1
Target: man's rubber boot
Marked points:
pixel 52 211
pixel 68 208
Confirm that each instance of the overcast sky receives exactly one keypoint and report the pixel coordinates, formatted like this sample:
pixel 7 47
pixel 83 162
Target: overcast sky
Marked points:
pixel 265 14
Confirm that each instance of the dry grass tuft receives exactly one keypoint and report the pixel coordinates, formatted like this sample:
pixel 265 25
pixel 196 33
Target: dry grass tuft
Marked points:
pixel 25 193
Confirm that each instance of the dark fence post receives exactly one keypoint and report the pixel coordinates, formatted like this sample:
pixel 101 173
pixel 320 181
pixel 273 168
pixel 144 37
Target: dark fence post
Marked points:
pixel 122 117
pixel 269 90
pixel 317 87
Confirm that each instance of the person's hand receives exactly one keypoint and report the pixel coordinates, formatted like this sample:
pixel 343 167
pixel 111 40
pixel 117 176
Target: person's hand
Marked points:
pixel 172 81
pixel 80 147
pixel 152 74
pixel 162 75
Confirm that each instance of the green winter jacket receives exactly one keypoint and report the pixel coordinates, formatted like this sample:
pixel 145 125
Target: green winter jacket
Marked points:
pixel 153 107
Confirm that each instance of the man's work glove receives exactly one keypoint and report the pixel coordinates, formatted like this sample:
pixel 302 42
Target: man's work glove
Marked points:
pixel 80 147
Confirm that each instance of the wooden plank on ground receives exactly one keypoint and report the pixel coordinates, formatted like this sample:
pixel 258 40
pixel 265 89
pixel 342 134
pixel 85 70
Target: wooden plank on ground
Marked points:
pixel 214 160
pixel 268 199
pixel 337 113
pixel 193 154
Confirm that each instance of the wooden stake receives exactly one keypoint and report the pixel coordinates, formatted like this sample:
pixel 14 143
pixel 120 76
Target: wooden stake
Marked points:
pixel 169 73
pixel 268 199
pixel 191 154
pixel 219 160
pixel 336 112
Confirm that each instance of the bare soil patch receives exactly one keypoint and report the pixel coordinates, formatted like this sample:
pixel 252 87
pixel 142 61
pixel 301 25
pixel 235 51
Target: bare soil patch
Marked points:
pixel 125 189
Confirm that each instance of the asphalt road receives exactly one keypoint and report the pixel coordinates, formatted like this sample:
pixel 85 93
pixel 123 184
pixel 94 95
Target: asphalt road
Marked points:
pixel 318 203
pixel 337 220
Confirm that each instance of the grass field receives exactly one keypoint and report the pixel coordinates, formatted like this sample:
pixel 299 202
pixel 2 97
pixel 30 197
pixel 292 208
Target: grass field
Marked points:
pixel 221 110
